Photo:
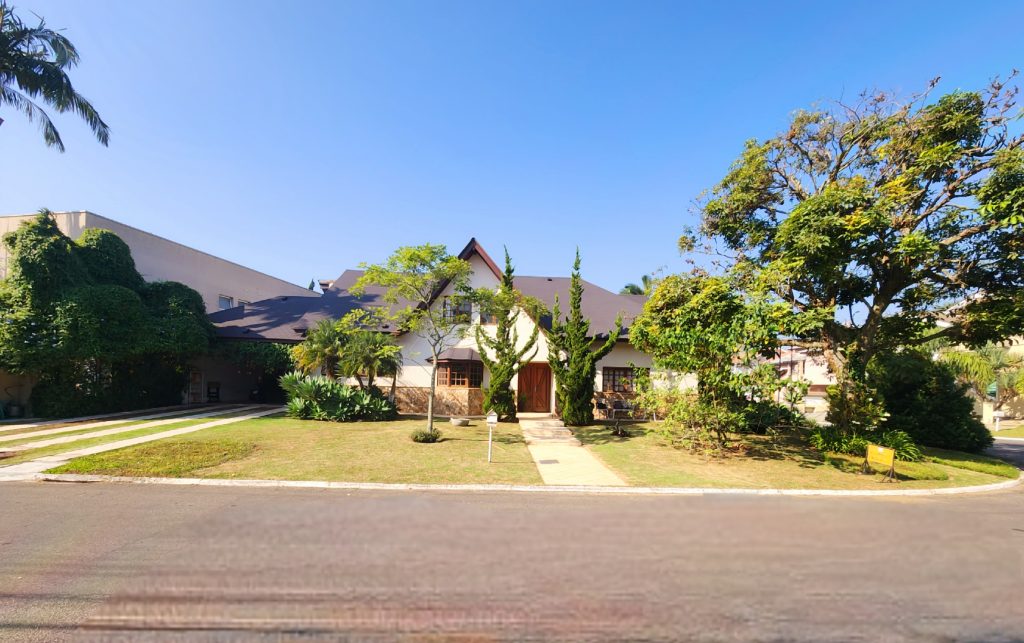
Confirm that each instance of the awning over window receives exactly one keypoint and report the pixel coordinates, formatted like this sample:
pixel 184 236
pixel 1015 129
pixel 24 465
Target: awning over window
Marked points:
pixel 458 355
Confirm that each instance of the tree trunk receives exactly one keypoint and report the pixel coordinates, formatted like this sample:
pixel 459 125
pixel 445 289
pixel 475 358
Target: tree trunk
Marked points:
pixel 433 387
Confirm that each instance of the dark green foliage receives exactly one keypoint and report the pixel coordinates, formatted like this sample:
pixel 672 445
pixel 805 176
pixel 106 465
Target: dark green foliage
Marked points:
pixel 107 259
pixel 426 436
pixel 268 361
pixel 573 355
pixel 96 342
pixel 42 261
pixel 508 356
pixel 178 318
pixel 829 438
pixel 257 357
pixel 924 400
pixel 314 397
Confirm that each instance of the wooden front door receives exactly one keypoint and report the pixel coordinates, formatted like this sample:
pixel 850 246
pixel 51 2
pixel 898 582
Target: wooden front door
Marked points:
pixel 535 388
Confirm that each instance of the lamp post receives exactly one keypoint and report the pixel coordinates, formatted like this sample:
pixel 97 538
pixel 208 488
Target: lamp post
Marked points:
pixel 492 421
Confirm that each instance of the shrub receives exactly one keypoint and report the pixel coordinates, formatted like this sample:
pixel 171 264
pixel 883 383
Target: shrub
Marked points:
pixel 426 436
pixel 830 439
pixel 924 400
pixel 322 398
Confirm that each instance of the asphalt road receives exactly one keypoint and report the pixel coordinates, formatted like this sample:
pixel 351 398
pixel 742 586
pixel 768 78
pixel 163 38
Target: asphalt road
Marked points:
pixel 108 562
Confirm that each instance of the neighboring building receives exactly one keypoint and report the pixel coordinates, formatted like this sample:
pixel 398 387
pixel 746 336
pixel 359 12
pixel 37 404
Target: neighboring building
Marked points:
pixel 461 373
pixel 222 283
pixel 800 364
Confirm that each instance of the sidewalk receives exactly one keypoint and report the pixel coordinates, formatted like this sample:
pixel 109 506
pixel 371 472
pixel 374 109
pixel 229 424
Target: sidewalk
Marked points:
pixel 561 459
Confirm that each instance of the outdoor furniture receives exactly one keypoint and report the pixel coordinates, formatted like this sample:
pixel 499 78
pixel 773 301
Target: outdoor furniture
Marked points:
pixel 213 392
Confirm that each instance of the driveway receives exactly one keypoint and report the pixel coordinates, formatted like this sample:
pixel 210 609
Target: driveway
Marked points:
pixel 1009 450
pixel 106 562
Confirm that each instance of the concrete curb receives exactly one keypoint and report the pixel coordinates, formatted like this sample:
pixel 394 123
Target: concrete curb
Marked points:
pixel 1017 440
pixel 381 486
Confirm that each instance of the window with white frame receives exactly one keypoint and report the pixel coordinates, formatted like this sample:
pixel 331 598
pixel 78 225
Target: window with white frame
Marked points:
pixel 224 302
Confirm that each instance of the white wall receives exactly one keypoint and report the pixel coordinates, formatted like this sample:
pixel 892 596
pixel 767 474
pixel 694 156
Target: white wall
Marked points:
pixel 159 259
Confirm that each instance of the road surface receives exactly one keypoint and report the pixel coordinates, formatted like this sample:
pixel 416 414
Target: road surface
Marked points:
pixel 116 562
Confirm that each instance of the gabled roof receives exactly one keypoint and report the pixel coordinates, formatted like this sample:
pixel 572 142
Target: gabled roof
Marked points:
pixel 600 306
pixel 286 319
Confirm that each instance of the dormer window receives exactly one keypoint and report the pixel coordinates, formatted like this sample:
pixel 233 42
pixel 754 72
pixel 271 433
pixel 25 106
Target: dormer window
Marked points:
pixel 457 310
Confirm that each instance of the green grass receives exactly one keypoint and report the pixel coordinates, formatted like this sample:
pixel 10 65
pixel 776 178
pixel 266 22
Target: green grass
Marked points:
pixel 32 454
pixel 290 449
pixel 171 459
pixel 786 462
pixel 971 462
pixel 1016 432
pixel 9 443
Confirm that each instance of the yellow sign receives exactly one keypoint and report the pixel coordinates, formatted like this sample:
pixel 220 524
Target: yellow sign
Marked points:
pixel 882 456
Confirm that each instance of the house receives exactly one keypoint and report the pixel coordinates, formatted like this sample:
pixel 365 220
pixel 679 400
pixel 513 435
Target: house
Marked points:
pixel 222 283
pixel 461 374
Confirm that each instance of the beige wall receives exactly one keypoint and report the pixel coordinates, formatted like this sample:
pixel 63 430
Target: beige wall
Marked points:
pixel 159 259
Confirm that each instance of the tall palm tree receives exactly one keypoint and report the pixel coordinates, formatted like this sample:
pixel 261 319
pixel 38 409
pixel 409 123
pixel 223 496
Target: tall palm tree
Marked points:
pixel 36 60
pixel 644 288
pixel 321 351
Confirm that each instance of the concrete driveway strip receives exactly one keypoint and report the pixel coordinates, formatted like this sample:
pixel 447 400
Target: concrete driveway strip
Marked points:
pixel 25 470
pixel 5 427
pixel 27 446
pixel 103 562
pixel 95 425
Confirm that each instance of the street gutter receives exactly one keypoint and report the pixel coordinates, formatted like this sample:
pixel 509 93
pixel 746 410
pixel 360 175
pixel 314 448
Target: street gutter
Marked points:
pixel 657 491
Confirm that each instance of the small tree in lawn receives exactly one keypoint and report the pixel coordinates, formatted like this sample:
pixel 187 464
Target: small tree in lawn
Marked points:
pixel 509 357
pixel 413 277
pixel 572 355
pixel 367 351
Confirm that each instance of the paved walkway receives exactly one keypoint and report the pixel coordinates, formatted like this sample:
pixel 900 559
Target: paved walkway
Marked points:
pixel 120 415
pixel 26 470
pixel 38 433
pixel 560 457
pixel 64 439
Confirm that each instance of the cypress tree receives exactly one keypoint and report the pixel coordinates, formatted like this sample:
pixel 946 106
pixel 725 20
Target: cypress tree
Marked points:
pixel 572 355
pixel 508 356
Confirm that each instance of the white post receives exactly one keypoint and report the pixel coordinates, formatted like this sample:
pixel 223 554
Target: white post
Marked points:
pixel 492 421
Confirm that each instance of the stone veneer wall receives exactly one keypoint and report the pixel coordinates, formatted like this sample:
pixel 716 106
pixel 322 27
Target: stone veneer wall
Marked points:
pixel 448 401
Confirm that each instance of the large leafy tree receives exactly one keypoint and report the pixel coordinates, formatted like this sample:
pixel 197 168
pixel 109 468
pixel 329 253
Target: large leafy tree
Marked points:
pixel 870 219
pixel 503 353
pixel 98 339
pixel 413 278
pixel 34 64
pixel 573 353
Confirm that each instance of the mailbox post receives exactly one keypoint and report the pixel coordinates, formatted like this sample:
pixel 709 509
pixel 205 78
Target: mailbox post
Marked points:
pixel 492 421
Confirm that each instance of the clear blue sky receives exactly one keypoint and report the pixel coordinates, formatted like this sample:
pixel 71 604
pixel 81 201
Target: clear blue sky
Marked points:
pixel 301 139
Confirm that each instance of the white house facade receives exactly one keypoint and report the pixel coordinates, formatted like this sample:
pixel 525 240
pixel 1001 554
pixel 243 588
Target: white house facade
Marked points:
pixel 461 375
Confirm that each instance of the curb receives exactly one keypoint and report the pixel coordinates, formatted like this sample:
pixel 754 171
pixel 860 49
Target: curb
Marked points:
pixel 383 486
pixel 999 439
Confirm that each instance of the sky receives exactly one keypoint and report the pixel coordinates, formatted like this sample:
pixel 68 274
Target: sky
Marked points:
pixel 302 138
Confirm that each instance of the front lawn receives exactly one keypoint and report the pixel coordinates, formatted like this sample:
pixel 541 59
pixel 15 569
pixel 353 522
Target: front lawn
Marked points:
pixel 642 459
pixel 281 448
pixel 1015 432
